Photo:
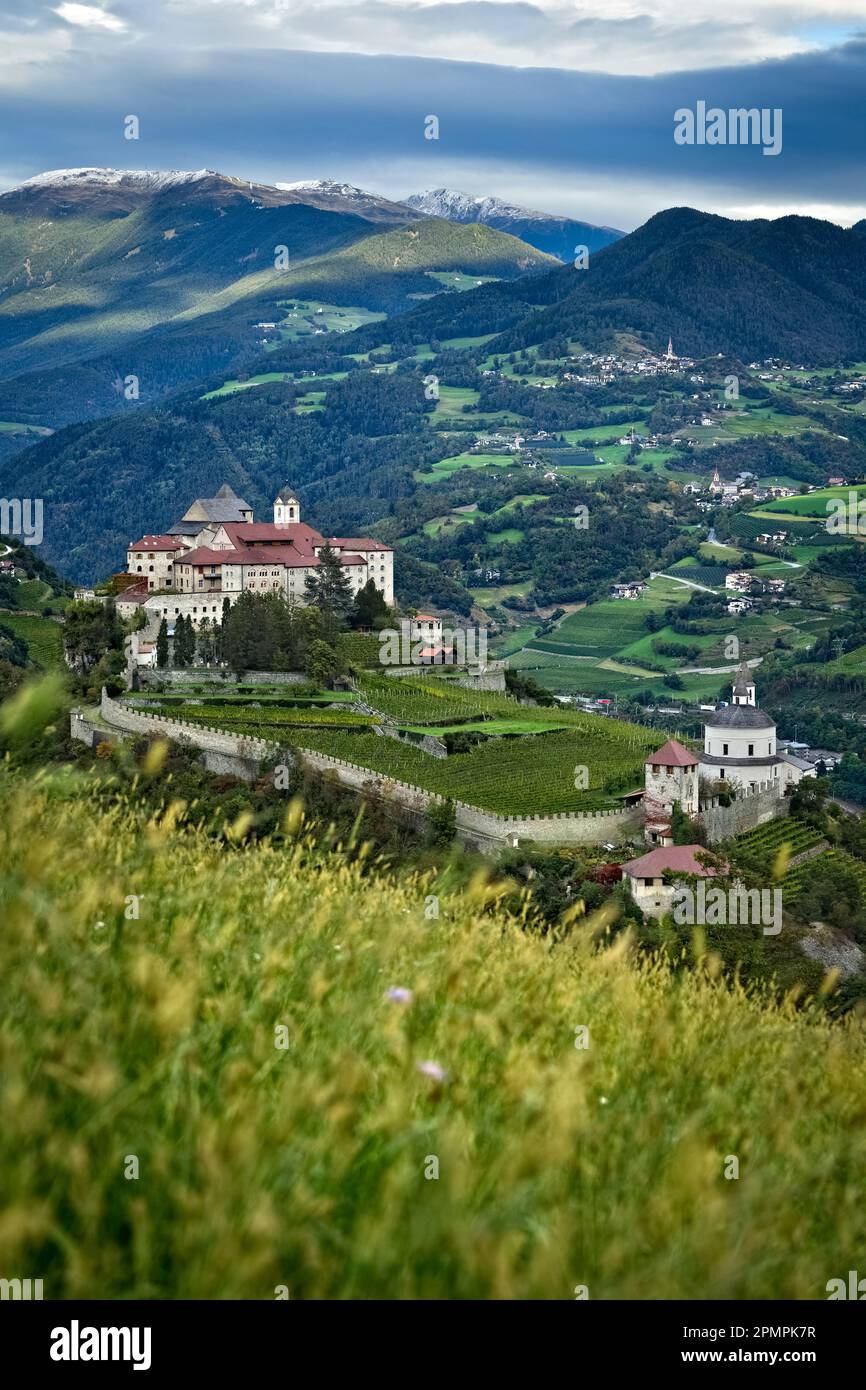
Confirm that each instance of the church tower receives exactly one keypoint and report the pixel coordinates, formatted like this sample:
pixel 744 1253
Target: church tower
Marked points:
pixel 744 687
pixel 287 508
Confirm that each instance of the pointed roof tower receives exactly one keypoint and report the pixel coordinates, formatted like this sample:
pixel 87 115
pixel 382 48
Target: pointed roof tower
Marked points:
pixel 744 686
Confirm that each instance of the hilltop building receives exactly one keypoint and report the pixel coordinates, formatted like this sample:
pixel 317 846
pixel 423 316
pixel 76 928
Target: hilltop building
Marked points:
pixel 739 749
pixel 218 551
pixel 740 740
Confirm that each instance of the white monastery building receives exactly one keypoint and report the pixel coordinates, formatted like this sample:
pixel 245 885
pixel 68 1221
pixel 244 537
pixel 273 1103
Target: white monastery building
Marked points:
pixel 217 551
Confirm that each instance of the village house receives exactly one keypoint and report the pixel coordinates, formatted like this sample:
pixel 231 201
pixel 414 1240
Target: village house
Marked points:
pixel 739 580
pixel 645 876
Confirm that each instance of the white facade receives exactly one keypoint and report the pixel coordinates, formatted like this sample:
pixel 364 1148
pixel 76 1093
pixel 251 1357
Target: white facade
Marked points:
pixel 152 560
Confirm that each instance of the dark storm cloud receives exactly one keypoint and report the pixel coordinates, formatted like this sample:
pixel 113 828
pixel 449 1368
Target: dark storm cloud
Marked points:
pixel 269 114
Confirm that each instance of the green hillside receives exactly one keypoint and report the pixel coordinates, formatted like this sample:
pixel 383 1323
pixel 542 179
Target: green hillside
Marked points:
pixel 793 287
pixel 305 1166
pixel 105 283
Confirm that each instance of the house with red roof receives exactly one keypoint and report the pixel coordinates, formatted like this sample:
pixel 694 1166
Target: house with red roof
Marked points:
pixel 645 877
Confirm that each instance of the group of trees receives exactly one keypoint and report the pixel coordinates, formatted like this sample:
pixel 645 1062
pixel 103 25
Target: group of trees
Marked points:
pixel 265 632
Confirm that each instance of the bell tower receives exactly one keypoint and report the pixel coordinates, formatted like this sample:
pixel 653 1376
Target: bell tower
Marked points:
pixel 287 508
pixel 744 687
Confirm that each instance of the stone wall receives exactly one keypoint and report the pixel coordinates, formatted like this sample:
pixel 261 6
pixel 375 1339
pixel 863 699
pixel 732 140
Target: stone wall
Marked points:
pixel 220 675
pixel 747 811
pixel 230 752
pixel 85 732
pixel 245 755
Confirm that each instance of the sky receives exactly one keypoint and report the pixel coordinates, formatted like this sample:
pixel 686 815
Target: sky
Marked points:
pixel 565 107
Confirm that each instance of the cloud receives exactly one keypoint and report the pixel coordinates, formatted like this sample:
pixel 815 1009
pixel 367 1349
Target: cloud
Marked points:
pixel 90 17
pixel 614 36
pixel 591 144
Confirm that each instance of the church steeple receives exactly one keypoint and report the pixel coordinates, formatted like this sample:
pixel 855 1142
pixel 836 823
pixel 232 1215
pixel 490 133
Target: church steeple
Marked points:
pixel 744 687
pixel 287 508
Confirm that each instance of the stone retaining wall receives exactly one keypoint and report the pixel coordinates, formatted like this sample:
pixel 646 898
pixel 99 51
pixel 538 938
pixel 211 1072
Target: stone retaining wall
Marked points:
pixel 475 825
pixel 219 675
pixel 748 810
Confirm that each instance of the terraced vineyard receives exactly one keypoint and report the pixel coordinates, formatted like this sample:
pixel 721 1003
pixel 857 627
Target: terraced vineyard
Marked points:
pixel 531 772
pixel 430 702
pixel 759 849
pixel 524 776
pixel 267 722
pixel 797 878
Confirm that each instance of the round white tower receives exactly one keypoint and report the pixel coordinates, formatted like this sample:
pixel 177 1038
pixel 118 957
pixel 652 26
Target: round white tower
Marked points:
pixel 287 508
pixel 740 740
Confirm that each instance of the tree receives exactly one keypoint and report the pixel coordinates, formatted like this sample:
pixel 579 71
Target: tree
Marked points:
pixel 162 645
pixel 441 819
pixel 90 631
pixel 184 641
pixel 370 609
pixel 322 663
pixel 206 642
pixel 330 589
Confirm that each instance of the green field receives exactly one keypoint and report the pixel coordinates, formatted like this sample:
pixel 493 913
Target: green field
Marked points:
pixel 230 387
pixel 445 467
pixel 812 504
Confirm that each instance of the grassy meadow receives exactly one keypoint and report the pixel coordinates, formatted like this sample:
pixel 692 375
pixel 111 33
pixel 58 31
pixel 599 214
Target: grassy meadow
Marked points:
pixel 154 1045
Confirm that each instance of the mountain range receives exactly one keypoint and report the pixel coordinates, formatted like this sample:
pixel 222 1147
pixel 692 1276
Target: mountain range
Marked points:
pixel 558 236
pixel 793 288
pixel 167 277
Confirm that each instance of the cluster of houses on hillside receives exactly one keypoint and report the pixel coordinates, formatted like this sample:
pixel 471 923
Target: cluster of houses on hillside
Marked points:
pixel 597 369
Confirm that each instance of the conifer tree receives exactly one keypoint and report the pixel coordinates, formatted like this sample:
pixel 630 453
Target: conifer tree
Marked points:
pixel 162 645
pixel 330 589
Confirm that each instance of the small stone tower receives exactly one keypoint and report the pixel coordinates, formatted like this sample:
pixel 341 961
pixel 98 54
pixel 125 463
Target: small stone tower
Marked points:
pixel 287 508
pixel 671 779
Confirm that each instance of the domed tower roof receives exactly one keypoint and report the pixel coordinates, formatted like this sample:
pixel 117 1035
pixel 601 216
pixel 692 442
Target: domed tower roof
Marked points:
pixel 285 494
pixel 739 717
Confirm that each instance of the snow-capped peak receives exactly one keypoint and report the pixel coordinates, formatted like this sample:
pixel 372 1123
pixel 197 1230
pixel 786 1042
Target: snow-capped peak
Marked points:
pixel 463 207
pixel 328 188
pixel 153 180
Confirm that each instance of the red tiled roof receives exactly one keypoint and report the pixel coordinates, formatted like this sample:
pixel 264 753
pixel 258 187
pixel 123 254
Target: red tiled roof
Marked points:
pixel 285 555
pixel 360 542
pixel 245 534
pixel 157 543
pixel 677 858
pixel 204 555
pixel 672 754
pixel 135 593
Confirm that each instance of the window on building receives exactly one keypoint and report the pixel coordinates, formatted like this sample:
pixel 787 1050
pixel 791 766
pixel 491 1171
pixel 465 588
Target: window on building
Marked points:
pixel 724 750
pixel 751 750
